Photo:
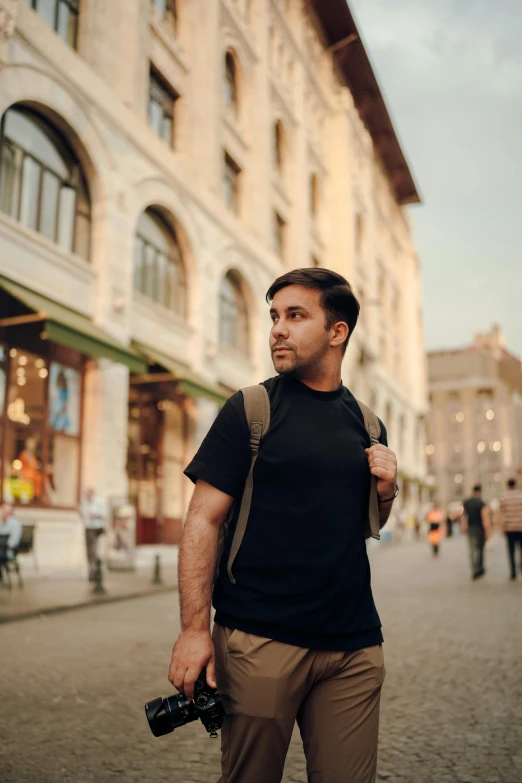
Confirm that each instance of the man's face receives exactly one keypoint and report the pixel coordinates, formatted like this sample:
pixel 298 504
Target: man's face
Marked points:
pixel 298 339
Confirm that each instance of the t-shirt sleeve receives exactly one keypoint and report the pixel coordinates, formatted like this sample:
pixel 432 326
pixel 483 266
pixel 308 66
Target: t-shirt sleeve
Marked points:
pixel 224 457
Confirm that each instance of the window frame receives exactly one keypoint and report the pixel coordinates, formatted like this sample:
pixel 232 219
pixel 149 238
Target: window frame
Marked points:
pixel 178 304
pixel 230 83
pixel 169 14
pixel 162 94
pixel 76 181
pixel 241 330
pixel 73 7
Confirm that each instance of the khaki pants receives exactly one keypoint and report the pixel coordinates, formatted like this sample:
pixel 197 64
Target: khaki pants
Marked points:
pixel 266 686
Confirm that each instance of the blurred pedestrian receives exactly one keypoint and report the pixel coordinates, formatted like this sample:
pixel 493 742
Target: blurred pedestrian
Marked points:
pixel 11 527
pixel 476 523
pixel 435 520
pixel 510 522
pixel 94 516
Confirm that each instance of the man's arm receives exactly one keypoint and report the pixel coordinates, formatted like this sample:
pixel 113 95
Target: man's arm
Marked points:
pixel 197 565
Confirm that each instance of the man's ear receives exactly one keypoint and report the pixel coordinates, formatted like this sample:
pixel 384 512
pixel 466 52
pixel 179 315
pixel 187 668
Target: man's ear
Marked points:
pixel 341 333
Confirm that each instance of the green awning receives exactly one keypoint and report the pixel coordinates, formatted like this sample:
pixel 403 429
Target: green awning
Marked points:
pixel 186 380
pixel 68 327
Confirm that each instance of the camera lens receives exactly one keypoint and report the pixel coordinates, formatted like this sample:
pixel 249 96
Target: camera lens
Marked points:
pixel 165 715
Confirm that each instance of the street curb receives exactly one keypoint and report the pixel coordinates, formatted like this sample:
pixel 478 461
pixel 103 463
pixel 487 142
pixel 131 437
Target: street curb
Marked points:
pixel 62 608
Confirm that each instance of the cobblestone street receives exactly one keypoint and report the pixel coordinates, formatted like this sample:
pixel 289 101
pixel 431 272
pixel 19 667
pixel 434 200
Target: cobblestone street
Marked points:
pixel 73 686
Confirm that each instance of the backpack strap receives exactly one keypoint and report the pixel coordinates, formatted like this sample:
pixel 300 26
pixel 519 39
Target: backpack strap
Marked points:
pixel 373 427
pixel 257 410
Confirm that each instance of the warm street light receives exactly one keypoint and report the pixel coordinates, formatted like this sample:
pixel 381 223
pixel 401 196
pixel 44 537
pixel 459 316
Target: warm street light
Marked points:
pixel 481 447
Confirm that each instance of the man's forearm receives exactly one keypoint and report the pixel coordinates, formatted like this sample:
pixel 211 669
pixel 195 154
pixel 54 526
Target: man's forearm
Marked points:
pixel 196 569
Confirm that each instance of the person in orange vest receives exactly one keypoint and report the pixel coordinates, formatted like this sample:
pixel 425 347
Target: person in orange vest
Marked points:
pixel 435 520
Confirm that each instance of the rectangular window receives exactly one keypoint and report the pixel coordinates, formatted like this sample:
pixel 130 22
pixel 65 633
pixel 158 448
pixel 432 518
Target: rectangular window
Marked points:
pixel 279 234
pixel 231 175
pixel 161 108
pixel 61 16
pixel 168 11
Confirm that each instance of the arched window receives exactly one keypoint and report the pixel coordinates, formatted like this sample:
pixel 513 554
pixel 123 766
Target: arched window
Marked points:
pixel 159 273
pixel 41 181
pixel 230 82
pixel 233 319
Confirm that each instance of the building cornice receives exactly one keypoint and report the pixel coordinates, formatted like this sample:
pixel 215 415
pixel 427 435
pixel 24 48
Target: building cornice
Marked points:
pixel 344 41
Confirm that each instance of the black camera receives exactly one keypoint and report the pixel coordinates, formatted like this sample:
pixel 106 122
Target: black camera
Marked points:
pixel 165 715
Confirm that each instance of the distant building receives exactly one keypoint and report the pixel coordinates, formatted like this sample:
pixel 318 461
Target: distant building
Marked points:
pixel 162 162
pixel 475 419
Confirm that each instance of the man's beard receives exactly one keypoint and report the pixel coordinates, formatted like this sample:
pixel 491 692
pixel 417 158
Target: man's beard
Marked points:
pixel 302 367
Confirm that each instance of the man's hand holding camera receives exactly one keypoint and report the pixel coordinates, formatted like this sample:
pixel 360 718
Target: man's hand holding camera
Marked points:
pixel 192 652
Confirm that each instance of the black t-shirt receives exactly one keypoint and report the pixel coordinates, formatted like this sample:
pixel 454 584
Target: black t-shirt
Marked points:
pixel 473 509
pixel 302 571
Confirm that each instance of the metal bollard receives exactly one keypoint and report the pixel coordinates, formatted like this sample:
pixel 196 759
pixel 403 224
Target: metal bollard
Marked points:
pixel 98 579
pixel 156 579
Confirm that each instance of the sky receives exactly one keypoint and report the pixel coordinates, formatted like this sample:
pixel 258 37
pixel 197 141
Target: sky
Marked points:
pixel 451 74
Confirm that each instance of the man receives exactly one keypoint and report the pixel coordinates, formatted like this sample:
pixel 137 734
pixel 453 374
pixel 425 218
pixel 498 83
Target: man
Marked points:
pixel 510 521
pixel 11 527
pixel 297 636
pixel 94 516
pixel 476 523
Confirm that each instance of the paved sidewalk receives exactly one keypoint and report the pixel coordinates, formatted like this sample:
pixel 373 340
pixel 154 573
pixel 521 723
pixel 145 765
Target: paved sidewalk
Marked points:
pixel 52 594
pixel 76 683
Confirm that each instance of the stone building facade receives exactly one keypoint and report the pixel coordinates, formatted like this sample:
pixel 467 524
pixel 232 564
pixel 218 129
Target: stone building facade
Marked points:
pixel 162 161
pixel 475 419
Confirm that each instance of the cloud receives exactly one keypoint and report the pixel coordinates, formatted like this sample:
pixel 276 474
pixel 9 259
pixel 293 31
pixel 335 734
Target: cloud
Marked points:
pixel 451 74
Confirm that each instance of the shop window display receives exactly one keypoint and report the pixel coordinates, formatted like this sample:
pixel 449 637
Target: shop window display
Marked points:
pixel 23 479
pixel 42 431
pixel 3 365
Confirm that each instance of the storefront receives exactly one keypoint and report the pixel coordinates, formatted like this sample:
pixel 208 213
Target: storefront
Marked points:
pixel 44 348
pixel 162 405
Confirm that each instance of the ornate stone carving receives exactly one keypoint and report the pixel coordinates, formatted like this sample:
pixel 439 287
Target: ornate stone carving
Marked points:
pixel 8 11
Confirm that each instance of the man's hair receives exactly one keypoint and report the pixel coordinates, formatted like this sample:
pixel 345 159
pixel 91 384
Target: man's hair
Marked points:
pixel 511 483
pixel 337 298
pixel 477 488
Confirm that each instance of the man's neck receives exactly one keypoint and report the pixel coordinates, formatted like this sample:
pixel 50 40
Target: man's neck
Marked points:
pixel 325 383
